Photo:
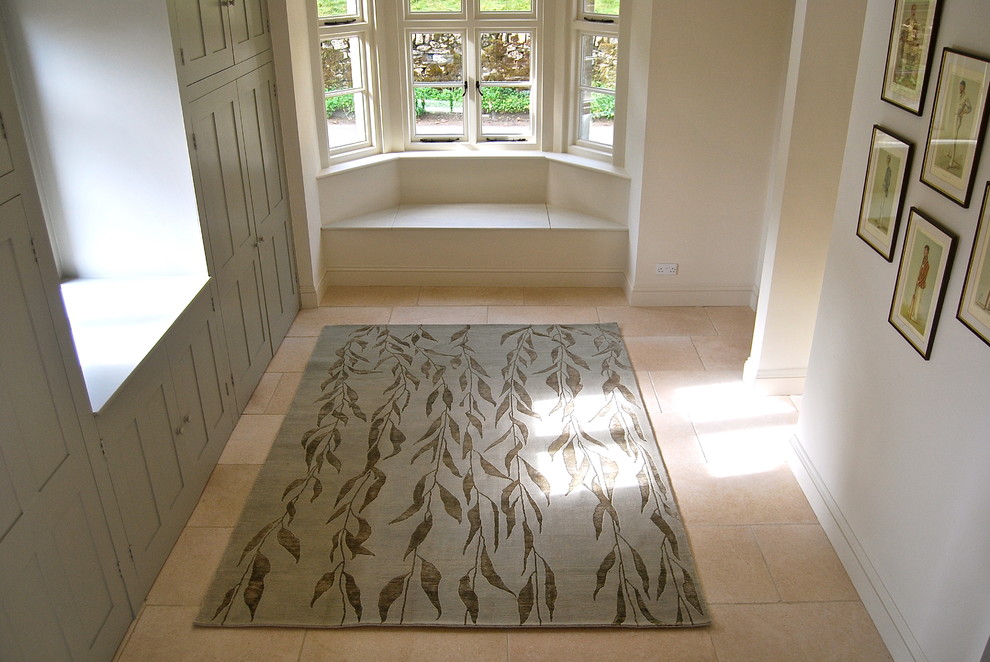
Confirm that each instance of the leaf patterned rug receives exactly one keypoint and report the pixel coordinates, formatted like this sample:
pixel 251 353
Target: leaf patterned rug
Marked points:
pixel 481 475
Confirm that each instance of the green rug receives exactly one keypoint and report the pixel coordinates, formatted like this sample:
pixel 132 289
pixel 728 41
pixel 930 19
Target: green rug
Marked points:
pixel 482 475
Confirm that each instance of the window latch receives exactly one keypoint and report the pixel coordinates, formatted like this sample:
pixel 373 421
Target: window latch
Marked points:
pixel 506 140
pixel 477 86
pixel 464 93
pixel 342 21
pixel 591 19
pixel 439 140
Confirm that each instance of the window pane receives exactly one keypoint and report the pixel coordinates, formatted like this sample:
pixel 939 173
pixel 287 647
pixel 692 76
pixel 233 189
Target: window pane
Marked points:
pixel 507 5
pixel 332 8
pixel 434 6
pixel 345 120
pixel 598 56
pixel 597 117
pixel 505 56
pixel 505 111
pixel 610 7
pixel 439 111
pixel 437 57
pixel 341 69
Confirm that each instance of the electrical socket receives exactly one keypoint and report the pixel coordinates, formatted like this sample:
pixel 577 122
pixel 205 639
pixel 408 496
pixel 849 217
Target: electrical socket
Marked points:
pixel 667 268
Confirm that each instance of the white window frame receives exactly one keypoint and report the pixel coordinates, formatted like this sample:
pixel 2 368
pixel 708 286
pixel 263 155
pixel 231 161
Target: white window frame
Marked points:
pixel 590 24
pixel 471 22
pixel 359 26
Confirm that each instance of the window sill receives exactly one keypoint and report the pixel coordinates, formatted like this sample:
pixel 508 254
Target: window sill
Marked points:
pixel 116 322
pixel 569 159
pixel 480 216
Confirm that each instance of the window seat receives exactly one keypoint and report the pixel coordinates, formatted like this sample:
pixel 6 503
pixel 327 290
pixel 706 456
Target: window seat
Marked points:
pixel 479 216
pixel 534 219
pixel 116 322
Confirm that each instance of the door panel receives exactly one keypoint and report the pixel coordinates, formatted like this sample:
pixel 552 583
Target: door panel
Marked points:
pixel 249 28
pixel 242 306
pixel 222 185
pixel 200 373
pixel 263 156
pixel 201 31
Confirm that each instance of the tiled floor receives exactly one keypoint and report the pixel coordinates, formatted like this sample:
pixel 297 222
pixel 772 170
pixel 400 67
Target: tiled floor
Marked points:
pixel 774 584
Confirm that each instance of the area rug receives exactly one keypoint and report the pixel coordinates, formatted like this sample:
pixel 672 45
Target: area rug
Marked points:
pixel 477 476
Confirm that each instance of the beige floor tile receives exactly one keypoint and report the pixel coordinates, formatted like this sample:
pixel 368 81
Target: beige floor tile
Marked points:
pixel 733 320
pixel 662 353
pixel 404 645
pixel 223 499
pixel 542 315
pixel 714 395
pixel 731 565
pixel 439 315
pixel 802 632
pixel 262 393
pixel 803 563
pixel 723 352
pixel 252 439
pixel 310 321
pixel 575 296
pixel 747 444
pixel 471 296
pixel 293 354
pixel 370 296
pixel 284 393
pixel 768 497
pixel 166 634
pixel 671 321
pixel 189 569
pixel 677 439
pixel 652 645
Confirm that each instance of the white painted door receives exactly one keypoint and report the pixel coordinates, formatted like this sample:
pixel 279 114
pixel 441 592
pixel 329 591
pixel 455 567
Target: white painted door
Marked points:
pixel 61 594
pixel 269 204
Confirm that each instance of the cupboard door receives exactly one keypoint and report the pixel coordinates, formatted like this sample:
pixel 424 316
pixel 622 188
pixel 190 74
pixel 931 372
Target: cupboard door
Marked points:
pixel 245 323
pixel 266 176
pixel 202 35
pixel 221 185
pixel 200 373
pixel 6 162
pixel 149 473
pixel 61 595
pixel 249 28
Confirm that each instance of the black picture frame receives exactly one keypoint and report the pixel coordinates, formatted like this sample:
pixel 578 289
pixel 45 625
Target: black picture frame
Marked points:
pixel 910 52
pixel 884 189
pixel 923 272
pixel 974 304
pixel 958 125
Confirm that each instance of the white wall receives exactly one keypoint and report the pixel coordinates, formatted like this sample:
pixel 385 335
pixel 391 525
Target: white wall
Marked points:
pixel 100 96
pixel 713 94
pixel 823 57
pixel 900 447
pixel 292 45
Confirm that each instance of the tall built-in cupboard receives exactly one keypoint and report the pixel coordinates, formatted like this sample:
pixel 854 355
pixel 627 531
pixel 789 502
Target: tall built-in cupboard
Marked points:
pixel 91 503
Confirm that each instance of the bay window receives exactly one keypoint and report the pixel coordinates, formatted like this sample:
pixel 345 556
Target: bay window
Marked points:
pixel 469 72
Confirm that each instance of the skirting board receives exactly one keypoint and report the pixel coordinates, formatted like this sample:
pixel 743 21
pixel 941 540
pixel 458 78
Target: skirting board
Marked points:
pixel 470 278
pixel 690 296
pixel 879 604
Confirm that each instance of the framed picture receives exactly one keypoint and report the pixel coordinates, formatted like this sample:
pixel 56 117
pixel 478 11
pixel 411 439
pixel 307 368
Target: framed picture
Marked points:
pixel 883 192
pixel 959 119
pixel 974 306
pixel 909 53
pixel 921 277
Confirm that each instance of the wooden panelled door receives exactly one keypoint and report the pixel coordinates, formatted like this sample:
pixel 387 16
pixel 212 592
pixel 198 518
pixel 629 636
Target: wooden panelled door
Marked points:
pixel 61 594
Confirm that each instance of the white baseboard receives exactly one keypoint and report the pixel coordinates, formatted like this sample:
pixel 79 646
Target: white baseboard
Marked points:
pixel 879 604
pixel 691 296
pixel 462 277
